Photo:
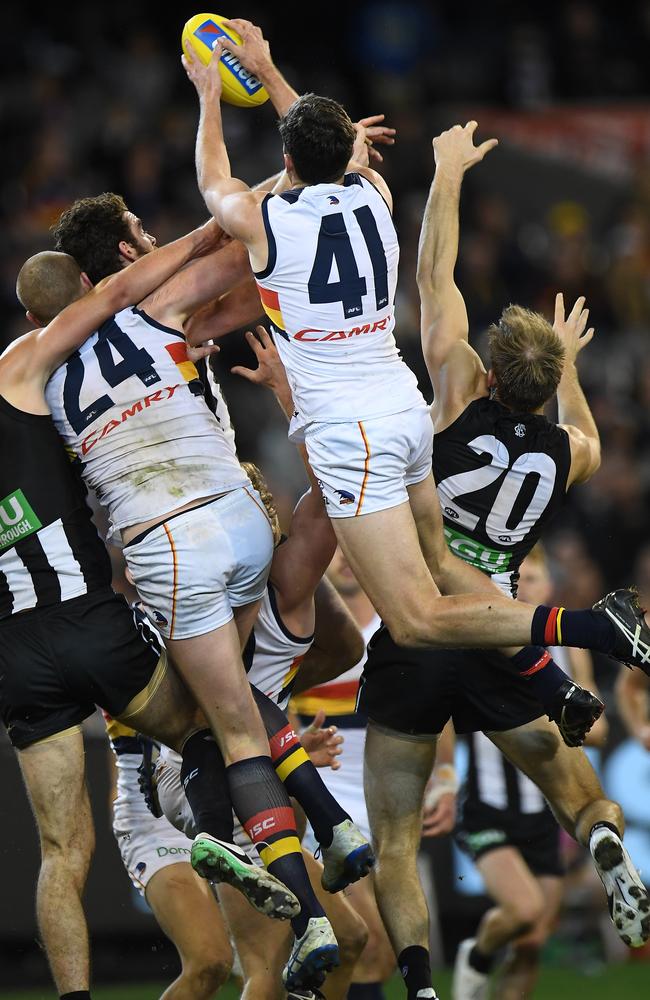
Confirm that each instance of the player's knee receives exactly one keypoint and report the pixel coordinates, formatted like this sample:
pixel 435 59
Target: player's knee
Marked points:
pixel 528 953
pixel 379 958
pixel 207 974
pixel 526 913
pixel 352 940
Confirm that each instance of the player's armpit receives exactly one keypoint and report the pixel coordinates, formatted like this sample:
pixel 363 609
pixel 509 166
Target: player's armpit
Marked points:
pixel 459 379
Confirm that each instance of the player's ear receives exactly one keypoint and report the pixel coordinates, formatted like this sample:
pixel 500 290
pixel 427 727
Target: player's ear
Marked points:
pixel 86 283
pixel 128 252
pixel 288 165
pixel 31 318
pixel 491 379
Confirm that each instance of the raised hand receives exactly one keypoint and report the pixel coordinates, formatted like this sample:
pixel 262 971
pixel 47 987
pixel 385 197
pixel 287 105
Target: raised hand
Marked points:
pixel 206 79
pixel 254 53
pixel 322 744
pixel 374 132
pixel 571 330
pixel 455 148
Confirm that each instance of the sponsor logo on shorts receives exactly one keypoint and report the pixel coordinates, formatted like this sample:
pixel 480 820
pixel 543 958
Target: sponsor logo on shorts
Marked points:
pixel 164 852
pixel 484 838
pixel 520 430
pixel 312 336
pixel 140 869
pixel 345 497
pixel 17 519
pixel 158 618
pixel 484 558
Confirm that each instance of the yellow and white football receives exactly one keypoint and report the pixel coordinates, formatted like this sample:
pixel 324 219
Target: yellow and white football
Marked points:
pixel 240 87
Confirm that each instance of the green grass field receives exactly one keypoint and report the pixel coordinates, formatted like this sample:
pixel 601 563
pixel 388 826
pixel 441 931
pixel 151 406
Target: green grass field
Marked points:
pixel 618 982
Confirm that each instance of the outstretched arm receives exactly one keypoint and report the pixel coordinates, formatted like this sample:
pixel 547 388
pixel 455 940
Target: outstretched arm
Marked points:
pixel 33 358
pixel 574 413
pixel 454 367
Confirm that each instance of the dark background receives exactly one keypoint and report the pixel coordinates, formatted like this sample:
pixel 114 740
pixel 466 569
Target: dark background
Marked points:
pixel 93 98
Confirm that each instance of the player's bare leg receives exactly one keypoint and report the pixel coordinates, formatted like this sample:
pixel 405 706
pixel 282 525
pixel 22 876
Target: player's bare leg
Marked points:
pixel 569 783
pixel 263 948
pixel 517 977
pixel 376 962
pixel 385 551
pixel 187 912
pixel 54 774
pixel 396 771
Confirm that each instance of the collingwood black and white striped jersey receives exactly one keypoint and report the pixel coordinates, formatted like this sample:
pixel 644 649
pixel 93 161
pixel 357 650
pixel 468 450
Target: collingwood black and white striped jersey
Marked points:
pixel 494 781
pixel 49 547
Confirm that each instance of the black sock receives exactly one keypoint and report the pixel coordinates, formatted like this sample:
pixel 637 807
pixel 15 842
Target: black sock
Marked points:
pixel 540 671
pixel 480 961
pixel 264 810
pixel 297 773
pixel 76 995
pixel 585 629
pixel 603 824
pixel 415 968
pixel 366 991
pixel 203 775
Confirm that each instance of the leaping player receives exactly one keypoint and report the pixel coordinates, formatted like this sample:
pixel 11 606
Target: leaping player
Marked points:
pixel 325 257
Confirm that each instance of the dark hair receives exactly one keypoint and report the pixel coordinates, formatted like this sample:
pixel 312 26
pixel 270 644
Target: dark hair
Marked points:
pixel 527 358
pixel 318 136
pixel 91 231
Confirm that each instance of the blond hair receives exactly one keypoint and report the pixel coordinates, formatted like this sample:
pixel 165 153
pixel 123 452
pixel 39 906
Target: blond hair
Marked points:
pixel 527 358
pixel 262 487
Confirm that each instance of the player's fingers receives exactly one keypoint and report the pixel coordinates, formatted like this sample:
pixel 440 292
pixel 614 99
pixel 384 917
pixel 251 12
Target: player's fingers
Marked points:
pixel 238 23
pixel 586 338
pixel 371 120
pixel 559 308
pixel 187 48
pixel 265 338
pixel 317 721
pixel 471 127
pixel 227 43
pixel 582 321
pixel 248 373
pixel 577 308
pixel 486 146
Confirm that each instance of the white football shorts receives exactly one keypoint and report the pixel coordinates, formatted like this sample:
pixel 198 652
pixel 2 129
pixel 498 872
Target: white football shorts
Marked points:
pixel 146 844
pixel 195 567
pixel 364 466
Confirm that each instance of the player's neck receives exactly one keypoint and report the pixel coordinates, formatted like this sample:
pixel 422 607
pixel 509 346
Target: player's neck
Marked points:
pixel 360 608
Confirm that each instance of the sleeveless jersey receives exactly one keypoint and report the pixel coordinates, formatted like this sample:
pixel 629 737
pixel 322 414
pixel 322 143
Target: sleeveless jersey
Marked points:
pixel 49 547
pixel 501 477
pixel 273 655
pixel 329 289
pixel 129 405
pixel 338 697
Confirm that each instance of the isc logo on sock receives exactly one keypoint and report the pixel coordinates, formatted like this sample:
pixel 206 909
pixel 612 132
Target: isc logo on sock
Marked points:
pixel 287 738
pixel 261 828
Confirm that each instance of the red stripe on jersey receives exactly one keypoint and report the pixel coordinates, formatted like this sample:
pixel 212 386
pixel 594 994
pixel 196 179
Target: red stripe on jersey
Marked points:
pixel 177 352
pixel 269 298
pixel 263 824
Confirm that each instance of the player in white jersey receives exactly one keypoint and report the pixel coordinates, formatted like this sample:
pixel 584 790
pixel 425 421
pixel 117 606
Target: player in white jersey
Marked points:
pixel 325 256
pixel 177 564
pixel 338 699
